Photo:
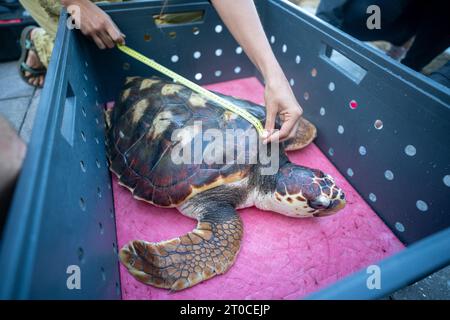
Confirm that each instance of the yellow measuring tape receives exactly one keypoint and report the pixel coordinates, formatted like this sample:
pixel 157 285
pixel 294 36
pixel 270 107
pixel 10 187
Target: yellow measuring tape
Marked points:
pixel 191 85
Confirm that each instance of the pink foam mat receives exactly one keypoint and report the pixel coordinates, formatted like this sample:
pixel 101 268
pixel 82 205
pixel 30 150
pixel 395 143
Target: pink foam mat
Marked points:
pixel 280 257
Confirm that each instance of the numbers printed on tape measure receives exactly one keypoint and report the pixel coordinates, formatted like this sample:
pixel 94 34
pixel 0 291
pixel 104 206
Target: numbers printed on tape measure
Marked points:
pixel 193 86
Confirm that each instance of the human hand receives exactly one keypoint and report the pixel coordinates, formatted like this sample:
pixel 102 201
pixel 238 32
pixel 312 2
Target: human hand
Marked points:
pixel 280 100
pixel 96 24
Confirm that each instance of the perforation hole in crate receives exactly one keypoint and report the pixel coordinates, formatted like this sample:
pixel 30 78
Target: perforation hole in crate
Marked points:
pixel 446 180
pixel 197 54
pixel 331 86
pixel 400 227
pixel 389 175
pixel 80 254
pixel 306 96
pixel 103 273
pixel 422 205
pixel 378 124
pixel 410 150
pixel 82 204
pixel 362 150
pixel 82 166
pixel 350 172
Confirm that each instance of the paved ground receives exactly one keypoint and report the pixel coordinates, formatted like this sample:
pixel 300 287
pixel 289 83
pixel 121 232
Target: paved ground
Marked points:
pixel 19 103
pixel 433 287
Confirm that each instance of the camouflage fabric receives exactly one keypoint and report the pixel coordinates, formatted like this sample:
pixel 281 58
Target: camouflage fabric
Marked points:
pixel 43 43
pixel 46 13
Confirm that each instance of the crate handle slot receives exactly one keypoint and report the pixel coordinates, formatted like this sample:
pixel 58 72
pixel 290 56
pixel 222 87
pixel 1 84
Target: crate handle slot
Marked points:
pixel 342 63
pixel 176 19
pixel 68 120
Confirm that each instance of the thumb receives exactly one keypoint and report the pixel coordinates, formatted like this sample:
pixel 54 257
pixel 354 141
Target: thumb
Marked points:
pixel 283 133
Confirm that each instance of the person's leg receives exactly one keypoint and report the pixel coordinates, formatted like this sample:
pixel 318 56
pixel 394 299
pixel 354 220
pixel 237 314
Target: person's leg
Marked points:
pixel 12 153
pixel 397 26
pixel 46 13
pixel 432 36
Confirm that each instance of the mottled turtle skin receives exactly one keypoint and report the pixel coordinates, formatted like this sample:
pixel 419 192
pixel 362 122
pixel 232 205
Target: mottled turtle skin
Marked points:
pixel 149 113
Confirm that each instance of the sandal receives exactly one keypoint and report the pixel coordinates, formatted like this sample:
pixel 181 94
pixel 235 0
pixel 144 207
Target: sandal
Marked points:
pixel 27 45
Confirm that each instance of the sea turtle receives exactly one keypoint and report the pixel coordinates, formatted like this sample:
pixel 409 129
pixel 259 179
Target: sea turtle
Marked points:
pixel 140 143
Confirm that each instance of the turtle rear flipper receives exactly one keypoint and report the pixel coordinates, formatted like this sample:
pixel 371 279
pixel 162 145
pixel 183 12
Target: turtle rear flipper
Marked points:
pixel 180 263
pixel 305 134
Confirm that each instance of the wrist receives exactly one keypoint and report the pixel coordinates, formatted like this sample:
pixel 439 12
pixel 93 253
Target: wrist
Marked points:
pixel 272 72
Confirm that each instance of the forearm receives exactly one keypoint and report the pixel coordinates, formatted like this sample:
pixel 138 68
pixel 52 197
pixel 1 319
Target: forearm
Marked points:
pixel 241 18
pixel 67 3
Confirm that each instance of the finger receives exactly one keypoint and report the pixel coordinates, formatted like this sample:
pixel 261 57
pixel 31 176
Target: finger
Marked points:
pixel 109 43
pixel 115 34
pixel 293 131
pixel 98 42
pixel 284 132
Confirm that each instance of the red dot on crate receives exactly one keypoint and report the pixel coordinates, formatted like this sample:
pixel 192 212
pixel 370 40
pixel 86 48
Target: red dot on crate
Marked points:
pixel 353 104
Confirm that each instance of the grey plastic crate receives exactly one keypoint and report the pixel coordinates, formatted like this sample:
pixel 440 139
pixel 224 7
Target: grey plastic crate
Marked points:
pixel 62 212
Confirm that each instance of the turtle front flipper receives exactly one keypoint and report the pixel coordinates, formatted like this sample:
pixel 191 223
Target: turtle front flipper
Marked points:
pixel 306 133
pixel 208 250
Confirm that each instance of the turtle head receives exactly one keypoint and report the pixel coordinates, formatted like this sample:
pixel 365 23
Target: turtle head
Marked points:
pixel 304 192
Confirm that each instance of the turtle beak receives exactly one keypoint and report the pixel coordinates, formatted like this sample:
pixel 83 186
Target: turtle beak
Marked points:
pixel 335 206
pixel 338 203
